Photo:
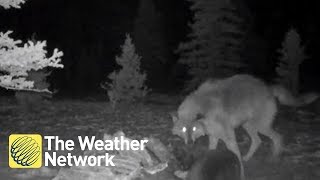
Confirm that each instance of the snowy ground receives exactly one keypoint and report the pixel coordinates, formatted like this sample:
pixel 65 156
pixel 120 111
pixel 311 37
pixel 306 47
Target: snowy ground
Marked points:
pixel 71 118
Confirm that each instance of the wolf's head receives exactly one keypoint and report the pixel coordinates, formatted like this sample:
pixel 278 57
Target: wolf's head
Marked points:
pixel 188 130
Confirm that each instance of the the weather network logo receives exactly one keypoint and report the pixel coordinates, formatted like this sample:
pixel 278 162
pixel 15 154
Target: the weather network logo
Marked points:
pixel 25 151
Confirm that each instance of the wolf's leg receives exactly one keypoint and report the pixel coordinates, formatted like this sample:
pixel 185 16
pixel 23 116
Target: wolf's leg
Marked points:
pixel 213 142
pixel 276 138
pixel 231 143
pixel 265 127
pixel 255 140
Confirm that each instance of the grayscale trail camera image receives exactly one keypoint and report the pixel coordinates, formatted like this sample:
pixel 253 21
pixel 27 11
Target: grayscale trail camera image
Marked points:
pixel 159 90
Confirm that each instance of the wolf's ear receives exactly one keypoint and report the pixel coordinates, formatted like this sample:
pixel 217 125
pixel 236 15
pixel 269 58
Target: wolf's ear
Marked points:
pixel 174 116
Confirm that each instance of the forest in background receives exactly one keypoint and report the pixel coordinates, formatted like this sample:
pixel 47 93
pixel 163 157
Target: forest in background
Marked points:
pixel 90 35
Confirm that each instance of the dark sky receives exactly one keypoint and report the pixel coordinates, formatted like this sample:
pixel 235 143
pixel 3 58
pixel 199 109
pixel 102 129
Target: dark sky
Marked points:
pixel 274 17
pixel 75 26
pixel 56 18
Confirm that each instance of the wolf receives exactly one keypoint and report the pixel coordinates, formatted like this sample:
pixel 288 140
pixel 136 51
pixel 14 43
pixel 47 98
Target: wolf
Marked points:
pixel 217 107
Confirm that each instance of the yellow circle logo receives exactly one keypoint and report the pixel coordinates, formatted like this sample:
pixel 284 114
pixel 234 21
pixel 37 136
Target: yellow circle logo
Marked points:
pixel 25 151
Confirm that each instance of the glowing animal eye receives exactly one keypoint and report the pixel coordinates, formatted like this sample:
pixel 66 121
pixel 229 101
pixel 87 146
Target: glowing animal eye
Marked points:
pixel 184 129
pixel 194 128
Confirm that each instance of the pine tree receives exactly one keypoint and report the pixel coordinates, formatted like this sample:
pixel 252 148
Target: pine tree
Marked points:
pixel 127 84
pixel 22 65
pixel 214 48
pixel 11 3
pixel 18 59
pixel 151 43
pixel 292 55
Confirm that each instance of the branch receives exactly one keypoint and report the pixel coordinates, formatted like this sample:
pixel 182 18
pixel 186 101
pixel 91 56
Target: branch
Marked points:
pixel 11 3
pixel 32 90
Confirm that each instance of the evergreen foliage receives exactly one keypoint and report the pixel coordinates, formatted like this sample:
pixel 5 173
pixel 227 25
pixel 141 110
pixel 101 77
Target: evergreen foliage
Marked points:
pixel 292 55
pixel 215 44
pixel 22 66
pixel 127 84
pixel 11 3
pixel 17 59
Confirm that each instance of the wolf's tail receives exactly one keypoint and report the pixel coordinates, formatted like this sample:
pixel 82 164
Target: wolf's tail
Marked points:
pixel 287 98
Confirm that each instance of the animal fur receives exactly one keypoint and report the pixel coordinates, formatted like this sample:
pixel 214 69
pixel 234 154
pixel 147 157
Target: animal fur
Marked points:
pixel 215 165
pixel 218 107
